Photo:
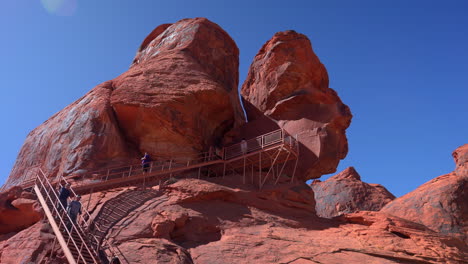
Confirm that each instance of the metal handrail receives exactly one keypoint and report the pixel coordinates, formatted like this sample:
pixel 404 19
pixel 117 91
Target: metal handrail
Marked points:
pixel 201 157
pixel 87 225
pixel 73 224
pixel 272 138
pixel 74 227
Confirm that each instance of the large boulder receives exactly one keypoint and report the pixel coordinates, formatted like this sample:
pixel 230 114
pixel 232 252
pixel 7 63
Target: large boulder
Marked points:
pixel 440 204
pixel 177 99
pixel 346 193
pixel 287 87
pixel 180 95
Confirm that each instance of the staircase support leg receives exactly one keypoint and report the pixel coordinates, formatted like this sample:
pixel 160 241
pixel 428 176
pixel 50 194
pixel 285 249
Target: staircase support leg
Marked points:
pixel 243 178
pixel 252 173
pixel 260 170
pixel 294 171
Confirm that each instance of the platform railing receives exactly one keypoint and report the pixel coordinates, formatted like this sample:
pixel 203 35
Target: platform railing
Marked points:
pixel 56 212
pixel 254 144
pixel 162 165
pixel 158 165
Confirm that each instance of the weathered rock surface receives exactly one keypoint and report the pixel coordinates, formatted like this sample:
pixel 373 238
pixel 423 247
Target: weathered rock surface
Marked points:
pixel 198 221
pixel 288 85
pixel 180 95
pixel 84 135
pixel 461 160
pixel 224 221
pixel 440 204
pixel 31 245
pixel 17 211
pixel 178 98
pixel 346 193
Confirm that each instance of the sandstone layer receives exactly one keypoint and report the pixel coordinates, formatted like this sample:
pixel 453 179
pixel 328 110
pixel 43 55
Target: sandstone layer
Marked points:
pixel 287 87
pixel 346 193
pixel 224 221
pixel 441 204
pixel 177 99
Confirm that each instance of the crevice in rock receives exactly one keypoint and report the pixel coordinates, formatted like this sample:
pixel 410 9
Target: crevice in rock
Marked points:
pixel 400 234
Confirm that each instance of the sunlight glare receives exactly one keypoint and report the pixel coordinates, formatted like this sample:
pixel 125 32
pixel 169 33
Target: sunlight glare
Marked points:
pixel 60 7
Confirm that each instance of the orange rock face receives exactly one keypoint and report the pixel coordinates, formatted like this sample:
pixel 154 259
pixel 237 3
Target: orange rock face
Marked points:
pixel 84 135
pixel 440 204
pixel 17 211
pixel 225 221
pixel 180 95
pixel 461 160
pixel 288 85
pixel 178 98
pixel 346 193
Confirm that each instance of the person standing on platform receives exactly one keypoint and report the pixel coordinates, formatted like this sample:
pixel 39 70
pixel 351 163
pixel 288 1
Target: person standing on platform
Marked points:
pixel 145 162
pixel 243 146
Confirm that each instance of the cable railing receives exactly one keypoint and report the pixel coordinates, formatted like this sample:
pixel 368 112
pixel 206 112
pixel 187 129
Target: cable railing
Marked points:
pixel 67 230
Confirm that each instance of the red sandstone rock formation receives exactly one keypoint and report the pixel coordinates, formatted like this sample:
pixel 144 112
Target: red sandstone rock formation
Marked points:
pixel 442 203
pixel 177 68
pixel 461 160
pixel 346 193
pixel 287 87
pixel 178 98
pixel 84 135
pixel 18 210
pixel 224 221
pixel 180 95
pixel 31 245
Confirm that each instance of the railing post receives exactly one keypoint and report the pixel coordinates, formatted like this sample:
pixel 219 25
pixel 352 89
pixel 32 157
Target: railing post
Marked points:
pixel 107 176
pixel 130 171
pixel 260 170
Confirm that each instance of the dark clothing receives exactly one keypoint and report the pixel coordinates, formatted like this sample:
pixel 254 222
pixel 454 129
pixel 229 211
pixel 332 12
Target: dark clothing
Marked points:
pixel 115 260
pixel 64 203
pixel 146 159
pixel 145 162
pixel 74 208
pixel 63 198
pixel 64 193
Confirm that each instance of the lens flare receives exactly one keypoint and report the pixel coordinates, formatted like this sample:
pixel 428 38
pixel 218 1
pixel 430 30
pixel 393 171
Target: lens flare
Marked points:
pixel 60 7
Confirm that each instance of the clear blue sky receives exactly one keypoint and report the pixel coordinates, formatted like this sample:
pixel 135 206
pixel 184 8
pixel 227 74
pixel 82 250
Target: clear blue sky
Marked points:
pixel 401 66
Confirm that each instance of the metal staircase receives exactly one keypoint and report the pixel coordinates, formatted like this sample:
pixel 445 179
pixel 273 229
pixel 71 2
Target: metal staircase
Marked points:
pixel 115 209
pixel 71 236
